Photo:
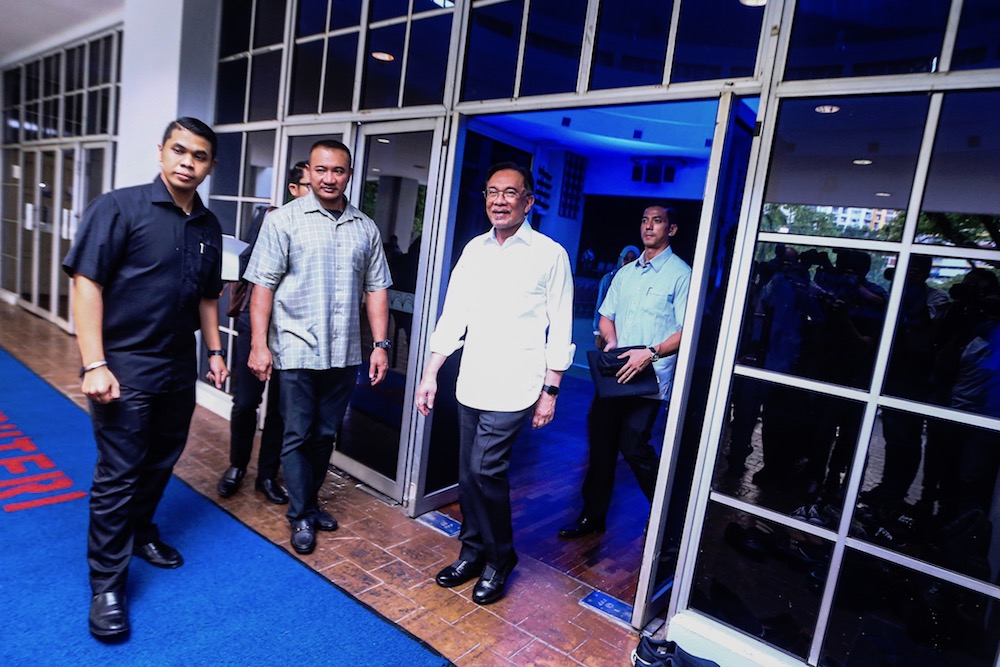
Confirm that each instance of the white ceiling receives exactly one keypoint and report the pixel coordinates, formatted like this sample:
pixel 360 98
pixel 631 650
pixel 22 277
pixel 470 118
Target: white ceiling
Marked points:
pixel 24 23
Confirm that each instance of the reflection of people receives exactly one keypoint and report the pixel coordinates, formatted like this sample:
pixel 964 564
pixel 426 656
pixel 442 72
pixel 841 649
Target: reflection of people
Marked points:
pixel 248 390
pixel 628 255
pixel 137 300
pixel 644 306
pixel 511 297
pixel 313 260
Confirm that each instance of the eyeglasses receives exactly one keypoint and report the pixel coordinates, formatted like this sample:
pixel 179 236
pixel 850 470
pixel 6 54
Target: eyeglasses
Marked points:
pixel 303 185
pixel 510 194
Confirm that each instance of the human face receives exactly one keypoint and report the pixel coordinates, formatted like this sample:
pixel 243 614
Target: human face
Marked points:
pixel 505 215
pixel 300 189
pixel 656 230
pixel 329 173
pixel 185 161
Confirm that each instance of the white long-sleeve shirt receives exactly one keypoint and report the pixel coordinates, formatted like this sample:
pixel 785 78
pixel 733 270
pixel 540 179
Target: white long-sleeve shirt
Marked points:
pixel 513 303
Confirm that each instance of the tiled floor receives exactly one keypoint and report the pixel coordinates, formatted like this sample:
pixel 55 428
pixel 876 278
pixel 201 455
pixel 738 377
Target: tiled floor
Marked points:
pixel 378 555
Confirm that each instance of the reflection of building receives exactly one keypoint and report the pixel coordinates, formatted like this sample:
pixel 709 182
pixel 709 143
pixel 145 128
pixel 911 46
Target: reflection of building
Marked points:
pixel 868 116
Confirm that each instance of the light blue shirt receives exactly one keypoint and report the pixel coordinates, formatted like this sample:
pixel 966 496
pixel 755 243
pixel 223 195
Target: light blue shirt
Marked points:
pixel 646 302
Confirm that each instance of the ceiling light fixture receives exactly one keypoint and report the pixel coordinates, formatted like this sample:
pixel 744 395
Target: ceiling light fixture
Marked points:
pixel 861 162
pixel 827 108
pixel 382 140
pixel 753 3
pixel 883 194
pixel 383 56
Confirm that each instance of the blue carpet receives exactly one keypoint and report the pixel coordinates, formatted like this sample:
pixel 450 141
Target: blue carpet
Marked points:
pixel 238 599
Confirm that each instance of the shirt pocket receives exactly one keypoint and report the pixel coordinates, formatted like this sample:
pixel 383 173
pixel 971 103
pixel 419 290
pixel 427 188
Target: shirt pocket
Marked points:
pixel 658 304
pixel 209 269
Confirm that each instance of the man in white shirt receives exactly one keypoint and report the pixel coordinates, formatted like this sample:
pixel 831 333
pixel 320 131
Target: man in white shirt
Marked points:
pixel 511 297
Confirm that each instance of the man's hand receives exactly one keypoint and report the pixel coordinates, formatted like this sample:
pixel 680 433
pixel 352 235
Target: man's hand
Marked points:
pixel 217 372
pixel 259 363
pixel 426 391
pixel 637 360
pixel 100 385
pixel 545 410
pixel 379 366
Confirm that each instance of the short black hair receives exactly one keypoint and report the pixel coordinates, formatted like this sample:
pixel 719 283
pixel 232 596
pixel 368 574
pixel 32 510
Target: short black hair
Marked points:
pixel 194 126
pixel 297 171
pixel 669 210
pixel 334 145
pixel 529 180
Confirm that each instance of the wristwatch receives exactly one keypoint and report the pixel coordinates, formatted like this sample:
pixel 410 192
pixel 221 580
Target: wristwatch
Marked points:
pixel 550 389
pixel 656 355
pixel 384 344
pixel 217 353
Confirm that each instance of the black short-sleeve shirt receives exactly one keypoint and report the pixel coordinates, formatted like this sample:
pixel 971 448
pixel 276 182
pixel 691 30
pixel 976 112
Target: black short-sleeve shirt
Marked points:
pixel 155 264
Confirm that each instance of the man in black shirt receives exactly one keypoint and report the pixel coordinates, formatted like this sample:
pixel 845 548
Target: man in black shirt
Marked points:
pixel 146 266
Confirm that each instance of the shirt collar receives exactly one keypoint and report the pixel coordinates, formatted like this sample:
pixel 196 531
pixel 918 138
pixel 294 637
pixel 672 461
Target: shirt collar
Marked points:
pixel 311 204
pixel 523 234
pixel 657 262
pixel 161 195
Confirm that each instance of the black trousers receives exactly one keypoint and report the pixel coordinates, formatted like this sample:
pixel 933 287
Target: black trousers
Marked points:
pixel 139 438
pixel 616 425
pixel 313 404
pixel 485 442
pixel 247 394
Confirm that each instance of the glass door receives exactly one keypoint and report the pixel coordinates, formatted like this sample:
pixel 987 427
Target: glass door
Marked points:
pixel 66 223
pixel 48 208
pixel 27 287
pixel 83 181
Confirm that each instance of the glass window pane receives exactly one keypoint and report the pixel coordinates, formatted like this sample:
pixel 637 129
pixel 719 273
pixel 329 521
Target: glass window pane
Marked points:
pixel 12 87
pixel 311 18
pixel 788 449
pixel 226 212
pixel 269 25
pixel 388 9
pixel 961 203
pixel 11 126
pixel 427 61
pixel 631 43
pixel 345 14
pixel 383 67
pixel 31 122
pixel 234 35
pixel 552 47
pixel 258 176
pixel 342 53
pixel 978 42
pixel 431 5
pixel 266 73
pixel 860 38
pixel 760 578
pixel 491 57
pixel 846 163
pixel 881 609
pixel 226 175
pixel 716 39
pixel 230 92
pixel 31 81
pixel 52 74
pixel 307 64
pixel 73 121
pixel 106 54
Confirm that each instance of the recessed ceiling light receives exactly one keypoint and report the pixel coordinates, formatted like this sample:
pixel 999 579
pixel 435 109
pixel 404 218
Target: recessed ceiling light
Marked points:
pixel 862 162
pixel 753 3
pixel 827 108
pixel 382 140
pixel 376 169
pixel 383 56
pixel 883 194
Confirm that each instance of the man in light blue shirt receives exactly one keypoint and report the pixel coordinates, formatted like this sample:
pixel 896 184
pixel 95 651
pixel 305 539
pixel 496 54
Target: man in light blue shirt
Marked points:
pixel 644 306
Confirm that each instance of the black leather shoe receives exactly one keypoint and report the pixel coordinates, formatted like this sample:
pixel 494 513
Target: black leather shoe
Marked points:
pixel 582 526
pixel 303 536
pixel 272 491
pixel 490 586
pixel 459 572
pixel 323 520
pixel 108 615
pixel 230 481
pixel 158 553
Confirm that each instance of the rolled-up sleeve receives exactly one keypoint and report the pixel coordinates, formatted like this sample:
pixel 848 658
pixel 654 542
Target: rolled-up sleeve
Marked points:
pixel 269 260
pixel 559 347
pixel 450 330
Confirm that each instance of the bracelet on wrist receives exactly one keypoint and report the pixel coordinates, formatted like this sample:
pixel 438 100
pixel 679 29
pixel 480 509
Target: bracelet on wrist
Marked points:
pixel 92 366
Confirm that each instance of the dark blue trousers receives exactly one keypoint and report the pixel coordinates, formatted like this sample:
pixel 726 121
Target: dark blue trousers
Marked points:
pixel 247 394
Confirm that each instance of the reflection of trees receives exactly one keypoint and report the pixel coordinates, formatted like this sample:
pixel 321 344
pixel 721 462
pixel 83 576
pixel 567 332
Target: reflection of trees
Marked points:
pixel 805 219
pixel 957 229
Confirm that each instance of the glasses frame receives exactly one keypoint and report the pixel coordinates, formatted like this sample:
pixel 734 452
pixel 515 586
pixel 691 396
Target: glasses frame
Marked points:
pixel 510 194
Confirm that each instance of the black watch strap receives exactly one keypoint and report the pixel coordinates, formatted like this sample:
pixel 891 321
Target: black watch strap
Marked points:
pixel 550 389
pixel 217 353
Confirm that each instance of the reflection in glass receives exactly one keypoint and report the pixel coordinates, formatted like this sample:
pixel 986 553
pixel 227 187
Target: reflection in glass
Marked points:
pixel 234 35
pixel 491 58
pixel 978 43
pixel 338 91
pixel 760 577
pixel 345 14
pixel 311 17
pixel 788 449
pixel 383 66
pixel 815 312
pixel 631 43
pixel 426 62
pixel 226 174
pixel 860 38
pixel 380 10
pixel 552 47
pixel 881 609
pixel 307 63
pixel 838 168
pixel 269 25
pixel 928 492
pixel 264 80
pixel 716 39
pixel 230 91
pixel 258 172
pixel 961 203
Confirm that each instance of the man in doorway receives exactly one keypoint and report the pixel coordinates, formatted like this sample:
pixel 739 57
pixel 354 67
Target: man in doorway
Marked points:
pixel 315 259
pixel 146 268
pixel 510 303
pixel 248 390
pixel 644 306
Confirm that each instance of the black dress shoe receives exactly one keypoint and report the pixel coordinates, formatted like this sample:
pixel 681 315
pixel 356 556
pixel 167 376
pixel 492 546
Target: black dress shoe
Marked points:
pixel 490 586
pixel 303 536
pixel 158 553
pixel 582 526
pixel 108 615
pixel 459 572
pixel 272 491
pixel 323 520
pixel 230 481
